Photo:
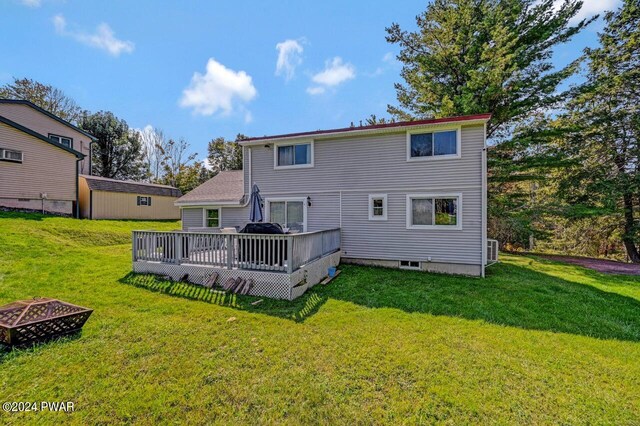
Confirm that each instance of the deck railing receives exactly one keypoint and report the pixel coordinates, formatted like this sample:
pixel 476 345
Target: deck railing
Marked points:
pixel 281 253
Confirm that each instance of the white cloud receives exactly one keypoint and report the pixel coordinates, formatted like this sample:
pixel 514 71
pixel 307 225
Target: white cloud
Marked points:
pixel 289 57
pixel 59 23
pixel 103 38
pixel 316 90
pixel 31 3
pixel 335 72
pixel 218 89
pixel 592 7
pixel 389 57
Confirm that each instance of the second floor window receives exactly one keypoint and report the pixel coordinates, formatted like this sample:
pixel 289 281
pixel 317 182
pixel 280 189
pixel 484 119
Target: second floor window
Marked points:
pixel 297 155
pixel 62 140
pixel 434 144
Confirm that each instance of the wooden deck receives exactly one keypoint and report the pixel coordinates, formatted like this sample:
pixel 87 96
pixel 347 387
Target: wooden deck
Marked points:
pixel 280 264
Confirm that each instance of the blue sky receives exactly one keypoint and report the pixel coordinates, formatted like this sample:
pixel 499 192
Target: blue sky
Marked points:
pixel 204 69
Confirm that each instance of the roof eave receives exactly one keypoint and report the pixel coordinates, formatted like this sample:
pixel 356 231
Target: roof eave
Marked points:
pixel 37 135
pixel 378 129
pixel 48 114
pixel 179 203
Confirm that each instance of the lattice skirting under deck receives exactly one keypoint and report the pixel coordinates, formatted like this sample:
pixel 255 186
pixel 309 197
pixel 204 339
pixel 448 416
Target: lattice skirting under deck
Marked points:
pixel 275 285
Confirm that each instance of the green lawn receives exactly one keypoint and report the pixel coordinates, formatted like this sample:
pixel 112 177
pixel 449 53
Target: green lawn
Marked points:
pixel 536 342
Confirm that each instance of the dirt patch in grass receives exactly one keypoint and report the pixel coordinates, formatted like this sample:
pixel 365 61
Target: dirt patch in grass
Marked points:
pixel 600 265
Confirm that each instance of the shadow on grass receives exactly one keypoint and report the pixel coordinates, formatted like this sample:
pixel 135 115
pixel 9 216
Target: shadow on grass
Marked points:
pixel 7 352
pixel 511 295
pixel 297 310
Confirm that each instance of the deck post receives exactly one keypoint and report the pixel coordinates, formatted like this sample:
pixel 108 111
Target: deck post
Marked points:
pixel 178 248
pixel 289 254
pixel 229 243
pixel 133 246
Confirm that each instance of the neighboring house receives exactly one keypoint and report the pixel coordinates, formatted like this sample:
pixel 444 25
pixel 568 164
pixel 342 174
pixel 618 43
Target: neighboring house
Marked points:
pixel 46 124
pixel 35 171
pixel 102 198
pixel 409 195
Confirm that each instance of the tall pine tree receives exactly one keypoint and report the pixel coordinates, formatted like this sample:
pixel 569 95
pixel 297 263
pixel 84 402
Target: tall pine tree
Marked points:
pixel 478 56
pixel 605 118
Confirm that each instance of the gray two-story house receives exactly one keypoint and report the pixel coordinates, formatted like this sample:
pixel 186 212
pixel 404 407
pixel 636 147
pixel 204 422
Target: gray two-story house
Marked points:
pixel 409 195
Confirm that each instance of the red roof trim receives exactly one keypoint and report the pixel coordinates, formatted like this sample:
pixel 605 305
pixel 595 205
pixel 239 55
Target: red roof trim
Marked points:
pixel 376 126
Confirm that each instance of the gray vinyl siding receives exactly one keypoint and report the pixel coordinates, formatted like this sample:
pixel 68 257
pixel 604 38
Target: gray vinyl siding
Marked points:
pixel 235 216
pixel 360 166
pixel 231 216
pixel 191 218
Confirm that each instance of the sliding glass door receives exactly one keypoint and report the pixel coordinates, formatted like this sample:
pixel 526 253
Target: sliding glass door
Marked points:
pixel 288 213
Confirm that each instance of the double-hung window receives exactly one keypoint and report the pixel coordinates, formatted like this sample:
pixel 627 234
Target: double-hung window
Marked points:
pixel 62 140
pixel 378 207
pixel 429 211
pixel 212 218
pixel 433 145
pixel 293 155
pixel 10 155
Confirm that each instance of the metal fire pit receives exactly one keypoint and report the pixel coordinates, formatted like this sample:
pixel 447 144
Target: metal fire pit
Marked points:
pixel 28 321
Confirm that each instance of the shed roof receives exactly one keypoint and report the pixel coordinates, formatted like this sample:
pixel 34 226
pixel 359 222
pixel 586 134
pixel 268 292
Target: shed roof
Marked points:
pixel 97 183
pixel 225 187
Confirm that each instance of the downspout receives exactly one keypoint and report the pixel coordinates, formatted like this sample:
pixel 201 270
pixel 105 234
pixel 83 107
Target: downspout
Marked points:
pixel 91 157
pixel 484 202
pixel 77 212
pixel 91 204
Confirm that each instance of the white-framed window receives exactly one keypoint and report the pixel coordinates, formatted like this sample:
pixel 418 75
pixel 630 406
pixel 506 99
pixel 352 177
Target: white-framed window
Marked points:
pixel 292 155
pixel 290 213
pixel 378 207
pixel 433 145
pixel 144 200
pixel 11 155
pixel 212 218
pixel 62 140
pixel 434 211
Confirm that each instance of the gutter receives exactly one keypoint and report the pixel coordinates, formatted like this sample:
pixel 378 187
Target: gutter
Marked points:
pixel 91 157
pixel 483 250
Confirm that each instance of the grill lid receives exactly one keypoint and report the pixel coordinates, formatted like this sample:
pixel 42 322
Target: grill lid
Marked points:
pixel 37 309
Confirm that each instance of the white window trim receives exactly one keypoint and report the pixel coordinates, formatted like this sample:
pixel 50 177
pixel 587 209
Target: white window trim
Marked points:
pixel 53 135
pixel 147 199
pixel 295 166
pixel 384 206
pixel 205 222
pixel 458 130
pixel 409 212
pixel 267 208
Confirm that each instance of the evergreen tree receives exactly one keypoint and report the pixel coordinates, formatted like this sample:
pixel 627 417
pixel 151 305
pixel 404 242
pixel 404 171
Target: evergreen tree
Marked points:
pixel 483 56
pixel 479 56
pixel 224 154
pixel 604 116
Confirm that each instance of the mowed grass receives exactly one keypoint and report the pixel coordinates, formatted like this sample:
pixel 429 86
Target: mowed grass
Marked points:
pixel 537 342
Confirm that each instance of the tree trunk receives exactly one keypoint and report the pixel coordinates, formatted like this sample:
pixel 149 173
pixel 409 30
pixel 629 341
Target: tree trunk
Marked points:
pixel 629 229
